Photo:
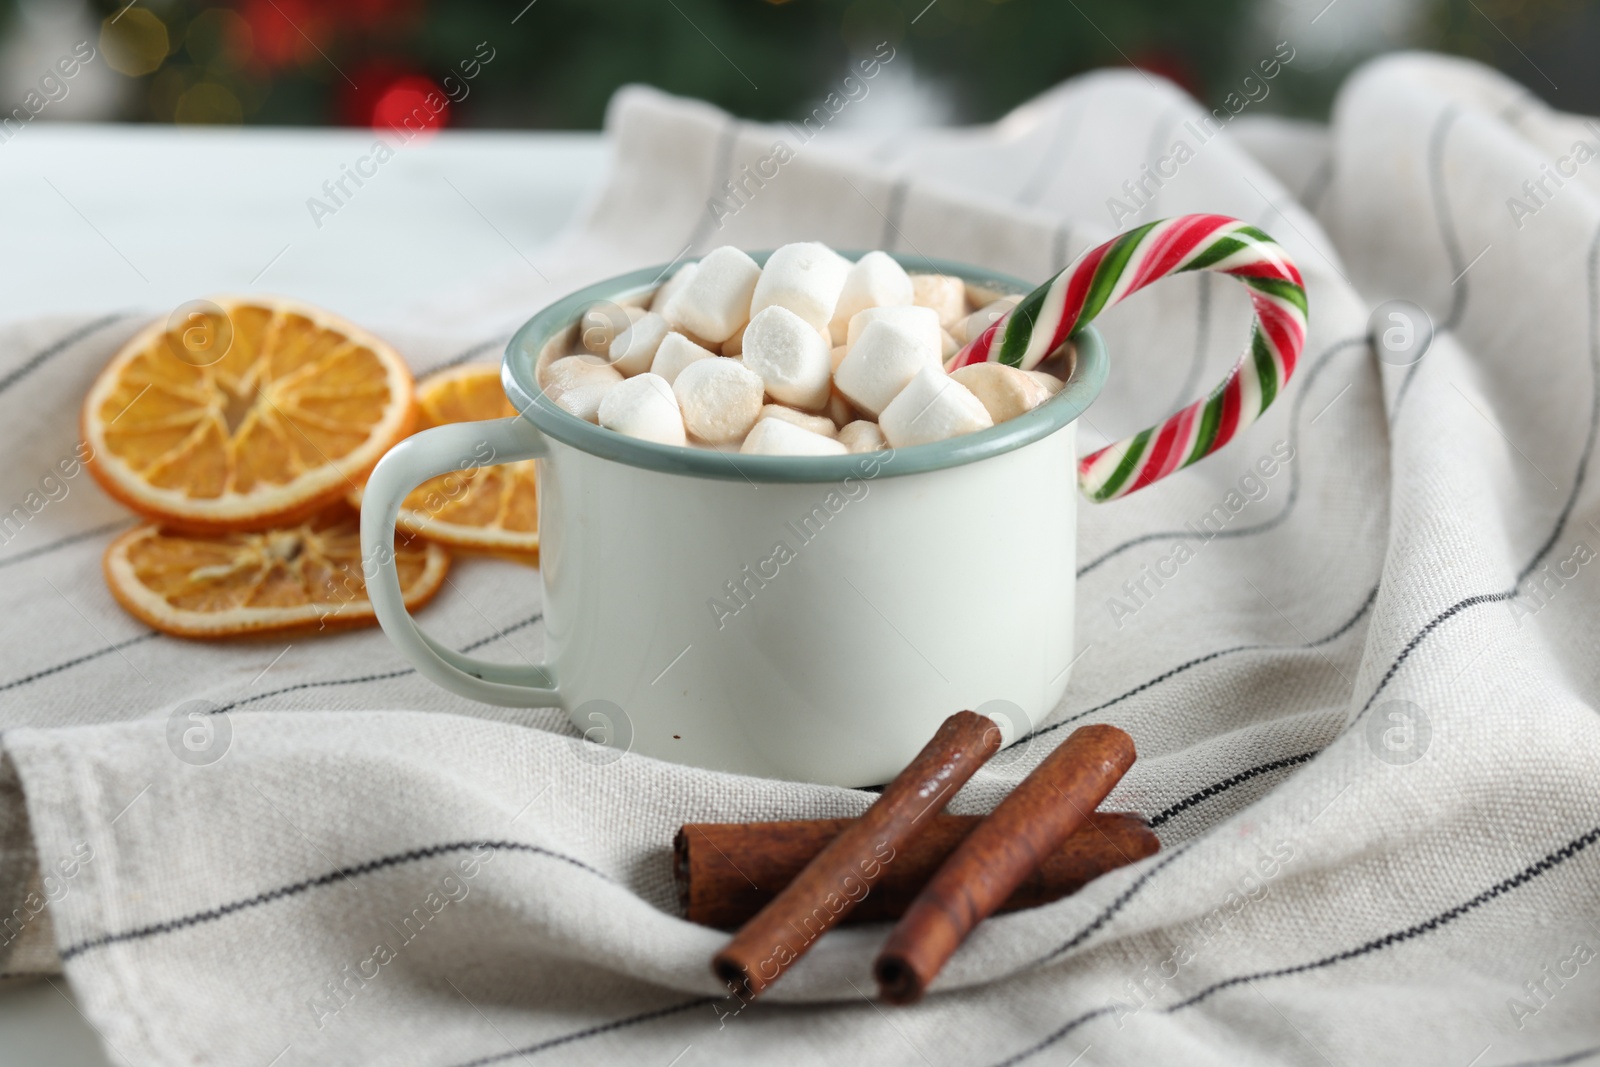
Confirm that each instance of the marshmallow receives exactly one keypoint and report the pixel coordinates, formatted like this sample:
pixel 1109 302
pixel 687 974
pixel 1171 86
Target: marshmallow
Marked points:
pixel 836 356
pixel 947 345
pixel 578 384
pixel 944 293
pixel 675 353
pixel 719 398
pixel 602 323
pixel 876 280
pixel 775 437
pixel 633 350
pixel 862 436
pixel 815 423
pixel 790 357
pixel 839 409
pixel 805 278
pixel 922 321
pixel 734 346
pixel 932 407
pixel 968 329
pixel 883 359
pixel 643 406
pixel 716 301
pixel 1005 392
pixel 680 278
pixel 1052 384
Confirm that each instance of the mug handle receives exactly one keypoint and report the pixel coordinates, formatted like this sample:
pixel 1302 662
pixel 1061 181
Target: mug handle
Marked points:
pixel 456 446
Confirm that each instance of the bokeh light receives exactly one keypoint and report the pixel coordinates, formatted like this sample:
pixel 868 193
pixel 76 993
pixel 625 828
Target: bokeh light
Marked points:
pixel 411 105
pixel 135 42
pixel 308 62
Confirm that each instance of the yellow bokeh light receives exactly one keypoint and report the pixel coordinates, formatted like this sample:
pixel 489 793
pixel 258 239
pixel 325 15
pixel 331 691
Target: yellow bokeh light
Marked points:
pixel 135 42
pixel 208 103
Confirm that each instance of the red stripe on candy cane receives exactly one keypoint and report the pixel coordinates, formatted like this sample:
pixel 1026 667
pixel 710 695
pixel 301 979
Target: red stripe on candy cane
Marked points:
pixel 1283 331
pixel 1232 405
pixel 1282 271
pixel 1078 283
pixel 1165 249
pixel 1176 244
pixel 977 350
pixel 1171 445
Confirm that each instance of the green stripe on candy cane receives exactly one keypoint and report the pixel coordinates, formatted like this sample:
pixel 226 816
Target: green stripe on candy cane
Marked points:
pixel 1107 274
pixel 1130 460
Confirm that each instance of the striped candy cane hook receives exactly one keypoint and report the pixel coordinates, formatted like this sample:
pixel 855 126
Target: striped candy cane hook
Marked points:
pixel 1102 276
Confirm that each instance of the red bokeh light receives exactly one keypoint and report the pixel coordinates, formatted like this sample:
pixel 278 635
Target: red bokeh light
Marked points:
pixel 409 105
pixel 1173 67
pixel 276 30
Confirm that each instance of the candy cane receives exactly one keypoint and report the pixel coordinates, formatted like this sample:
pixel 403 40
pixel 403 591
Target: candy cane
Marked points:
pixel 1102 276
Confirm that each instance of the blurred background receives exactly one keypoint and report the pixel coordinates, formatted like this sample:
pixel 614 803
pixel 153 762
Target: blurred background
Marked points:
pixel 552 64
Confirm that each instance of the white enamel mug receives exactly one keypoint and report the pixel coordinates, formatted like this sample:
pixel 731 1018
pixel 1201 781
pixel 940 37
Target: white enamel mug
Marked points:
pixel 808 618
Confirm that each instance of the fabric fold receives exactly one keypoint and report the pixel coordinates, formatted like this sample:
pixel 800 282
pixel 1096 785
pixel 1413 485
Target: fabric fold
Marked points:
pixel 1355 648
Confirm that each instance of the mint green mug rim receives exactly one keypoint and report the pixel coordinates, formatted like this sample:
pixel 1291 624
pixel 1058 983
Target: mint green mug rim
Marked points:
pixel 518 376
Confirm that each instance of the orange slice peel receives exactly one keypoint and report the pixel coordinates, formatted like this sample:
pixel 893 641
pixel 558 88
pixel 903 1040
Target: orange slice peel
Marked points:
pixel 244 413
pixel 301 577
pixel 485 509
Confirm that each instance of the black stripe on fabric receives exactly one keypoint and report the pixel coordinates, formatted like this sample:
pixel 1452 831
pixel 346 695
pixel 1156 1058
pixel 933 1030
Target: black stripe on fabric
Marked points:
pixel 1202 342
pixel 1344 628
pixel 593 1031
pixel 1110 910
pixel 1579 479
pixel 72 539
pixel 894 210
pixel 1549 862
pixel 381 677
pixel 1159 131
pixel 1228 783
pixel 1559 1061
pixel 1127 894
pixel 38 359
pixel 1521 878
pixel 1210 791
pixel 1317 187
pixel 1294 471
pixel 77 661
pixel 397 859
pixel 1417 638
pixel 1057 1035
pixel 1055 153
pixel 358 680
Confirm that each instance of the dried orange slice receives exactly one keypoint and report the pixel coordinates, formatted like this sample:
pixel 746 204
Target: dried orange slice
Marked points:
pixel 306 576
pixel 243 413
pixel 489 509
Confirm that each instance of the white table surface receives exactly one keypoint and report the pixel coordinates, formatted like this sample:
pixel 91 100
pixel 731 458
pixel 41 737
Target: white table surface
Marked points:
pixel 103 217
pixel 96 218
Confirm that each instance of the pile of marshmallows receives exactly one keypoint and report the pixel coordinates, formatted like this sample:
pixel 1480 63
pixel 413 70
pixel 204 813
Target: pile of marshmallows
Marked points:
pixel 812 356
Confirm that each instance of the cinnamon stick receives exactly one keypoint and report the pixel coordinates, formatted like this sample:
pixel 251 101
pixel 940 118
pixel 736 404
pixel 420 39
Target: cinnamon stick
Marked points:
pixel 844 872
pixel 727 872
pixel 1049 806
